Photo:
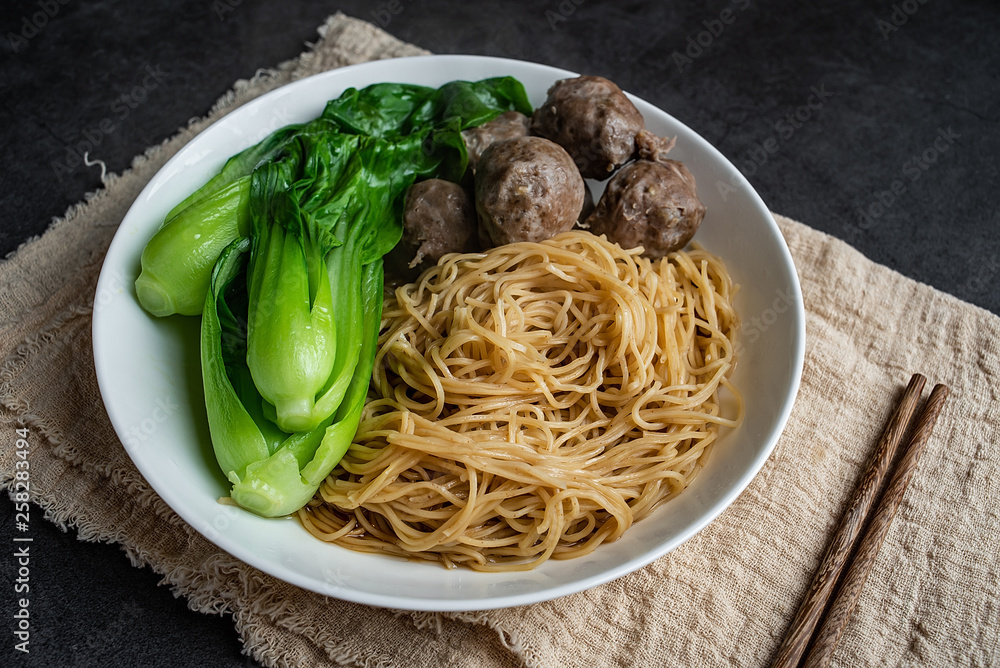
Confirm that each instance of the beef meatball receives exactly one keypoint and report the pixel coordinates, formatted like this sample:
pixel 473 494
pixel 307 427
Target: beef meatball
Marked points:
pixel 593 120
pixel 649 203
pixel 439 217
pixel 527 189
pixel 508 125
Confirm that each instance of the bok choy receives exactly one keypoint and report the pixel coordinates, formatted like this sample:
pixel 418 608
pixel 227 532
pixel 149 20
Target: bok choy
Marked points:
pixel 177 262
pixel 281 253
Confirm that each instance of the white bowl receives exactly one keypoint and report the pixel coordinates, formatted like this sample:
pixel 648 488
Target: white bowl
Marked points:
pixel 149 373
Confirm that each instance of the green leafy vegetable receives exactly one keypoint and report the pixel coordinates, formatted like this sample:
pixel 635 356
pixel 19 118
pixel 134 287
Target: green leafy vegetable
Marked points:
pixel 282 252
pixel 285 481
pixel 177 262
pixel 394 110
pixel 245 162
pixel 273 473
pixel 315 225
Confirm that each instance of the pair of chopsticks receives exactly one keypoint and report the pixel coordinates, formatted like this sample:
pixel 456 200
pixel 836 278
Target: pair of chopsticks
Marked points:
pixel 802 636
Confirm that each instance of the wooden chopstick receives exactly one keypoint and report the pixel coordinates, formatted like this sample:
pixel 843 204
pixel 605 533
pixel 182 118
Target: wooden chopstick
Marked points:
pixel 850 589
pixel 839 550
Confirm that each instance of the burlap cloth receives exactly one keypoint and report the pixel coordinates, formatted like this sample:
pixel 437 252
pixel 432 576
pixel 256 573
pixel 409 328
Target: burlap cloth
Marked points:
pixel 724 597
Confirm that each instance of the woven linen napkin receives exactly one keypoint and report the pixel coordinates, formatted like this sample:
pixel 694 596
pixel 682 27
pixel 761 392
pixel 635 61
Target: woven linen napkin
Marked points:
pixel 724 597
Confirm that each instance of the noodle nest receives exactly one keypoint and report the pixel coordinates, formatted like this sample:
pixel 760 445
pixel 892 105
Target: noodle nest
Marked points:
pixel 533 402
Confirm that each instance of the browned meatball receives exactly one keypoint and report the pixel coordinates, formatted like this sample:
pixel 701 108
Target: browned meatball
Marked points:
pixel 649 203
pixel 527 189
pixel 508 125
pixel 593 120
pixel 438 218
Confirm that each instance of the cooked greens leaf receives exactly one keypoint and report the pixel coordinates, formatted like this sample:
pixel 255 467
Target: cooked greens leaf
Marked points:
pixel 288 241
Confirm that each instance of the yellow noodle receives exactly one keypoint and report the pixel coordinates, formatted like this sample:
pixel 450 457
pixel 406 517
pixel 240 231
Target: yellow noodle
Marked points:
pixel 533 402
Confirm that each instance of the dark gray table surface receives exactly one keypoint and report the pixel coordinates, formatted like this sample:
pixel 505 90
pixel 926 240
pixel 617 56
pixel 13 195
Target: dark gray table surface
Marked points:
pixel 876 122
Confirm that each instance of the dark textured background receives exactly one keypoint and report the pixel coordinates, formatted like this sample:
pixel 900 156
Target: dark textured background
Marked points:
pixel 885 80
